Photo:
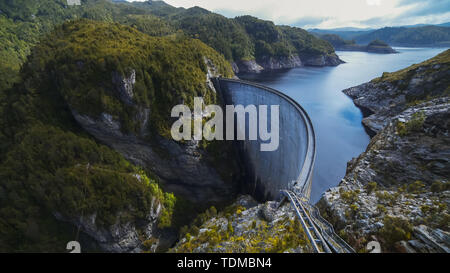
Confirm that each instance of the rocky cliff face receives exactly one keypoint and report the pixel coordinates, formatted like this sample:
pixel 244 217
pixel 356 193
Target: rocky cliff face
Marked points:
pixel 285 62
pixel 121 237
pixel 181 166
pixel 272 63
pixel 397 192
pixel 247 66
pixel 385 97
pixel 322 60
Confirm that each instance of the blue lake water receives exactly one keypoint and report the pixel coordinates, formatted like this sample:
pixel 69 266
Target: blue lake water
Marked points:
pixel 337 122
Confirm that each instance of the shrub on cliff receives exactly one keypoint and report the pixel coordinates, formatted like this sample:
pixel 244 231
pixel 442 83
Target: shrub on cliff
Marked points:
pixel 394 230
pixel 411 126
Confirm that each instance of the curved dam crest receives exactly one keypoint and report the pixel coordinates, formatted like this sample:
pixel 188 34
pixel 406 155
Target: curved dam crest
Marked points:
pixel 288 167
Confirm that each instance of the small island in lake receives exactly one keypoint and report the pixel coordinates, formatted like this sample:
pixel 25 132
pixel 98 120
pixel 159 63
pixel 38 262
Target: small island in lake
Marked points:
pixel 375 46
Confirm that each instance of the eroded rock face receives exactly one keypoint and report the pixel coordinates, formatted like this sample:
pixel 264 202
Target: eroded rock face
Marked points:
pixel 181 166
pixel 405 170
pixel 322 60
pixel 271 63
pixel 247 66
pixel 422 155
pixel 122 236
pixel 124 85
pixel 284 62
pixel 394 163
pixel 382 100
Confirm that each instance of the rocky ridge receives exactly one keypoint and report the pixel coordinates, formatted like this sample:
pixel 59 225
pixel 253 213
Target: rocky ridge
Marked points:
pixel 284 62
pixel 397 192
pixel 121 237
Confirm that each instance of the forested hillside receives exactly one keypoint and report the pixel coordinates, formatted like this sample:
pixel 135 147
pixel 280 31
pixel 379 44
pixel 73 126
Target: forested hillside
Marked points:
pixel 23 22
pixel 413 36
pixel 55 178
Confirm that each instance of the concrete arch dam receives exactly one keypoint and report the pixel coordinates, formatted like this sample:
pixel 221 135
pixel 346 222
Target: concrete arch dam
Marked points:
pixel 288 167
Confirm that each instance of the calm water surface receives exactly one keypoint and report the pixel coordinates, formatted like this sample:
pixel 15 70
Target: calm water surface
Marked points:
pixel 337 122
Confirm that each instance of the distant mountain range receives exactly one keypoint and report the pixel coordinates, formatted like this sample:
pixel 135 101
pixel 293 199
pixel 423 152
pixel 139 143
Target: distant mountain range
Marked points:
pixel 357 29
pixel 411 36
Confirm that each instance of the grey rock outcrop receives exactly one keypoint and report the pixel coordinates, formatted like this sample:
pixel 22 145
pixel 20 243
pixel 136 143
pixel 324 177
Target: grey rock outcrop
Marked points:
pixel 381 100
pixel 247 66
pixel 271 63
pixel 322 60
pixel 251 228
pixel 124 85
pixel 122 236
pixel 284 62
pixel 405 169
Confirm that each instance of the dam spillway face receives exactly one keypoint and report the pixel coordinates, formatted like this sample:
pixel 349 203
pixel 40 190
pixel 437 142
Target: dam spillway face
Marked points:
pixel 288 167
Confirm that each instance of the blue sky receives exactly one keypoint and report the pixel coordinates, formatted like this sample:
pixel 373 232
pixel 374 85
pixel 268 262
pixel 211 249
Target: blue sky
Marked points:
pixel 331 13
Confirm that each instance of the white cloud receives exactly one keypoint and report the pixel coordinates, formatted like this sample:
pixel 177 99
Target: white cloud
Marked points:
pixel 314 13
pixel 373 2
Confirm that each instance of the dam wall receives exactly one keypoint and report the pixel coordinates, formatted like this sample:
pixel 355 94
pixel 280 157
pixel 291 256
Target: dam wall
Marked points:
pixel 288 167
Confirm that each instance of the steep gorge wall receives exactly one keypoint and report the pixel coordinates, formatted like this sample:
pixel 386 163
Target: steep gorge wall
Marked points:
pixel 267 172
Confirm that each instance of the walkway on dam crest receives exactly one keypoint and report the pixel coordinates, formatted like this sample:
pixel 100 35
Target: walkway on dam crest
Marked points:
pixel 319 231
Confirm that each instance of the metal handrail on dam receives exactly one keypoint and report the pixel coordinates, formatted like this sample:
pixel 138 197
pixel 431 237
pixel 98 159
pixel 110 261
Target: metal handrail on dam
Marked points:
pixel 320 232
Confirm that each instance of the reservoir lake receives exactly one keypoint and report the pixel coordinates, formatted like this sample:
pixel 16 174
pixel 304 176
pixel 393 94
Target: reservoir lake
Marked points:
pixel 340 135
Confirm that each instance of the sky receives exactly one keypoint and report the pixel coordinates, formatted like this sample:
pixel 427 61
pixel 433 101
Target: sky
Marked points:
pixel 331 13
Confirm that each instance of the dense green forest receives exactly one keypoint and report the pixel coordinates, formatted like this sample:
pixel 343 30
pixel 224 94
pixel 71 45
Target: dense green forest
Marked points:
pixel 23 22
pixel 48 164
pixel 80 57
pixel 336 40
pixel 247 37
pixel 224 35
